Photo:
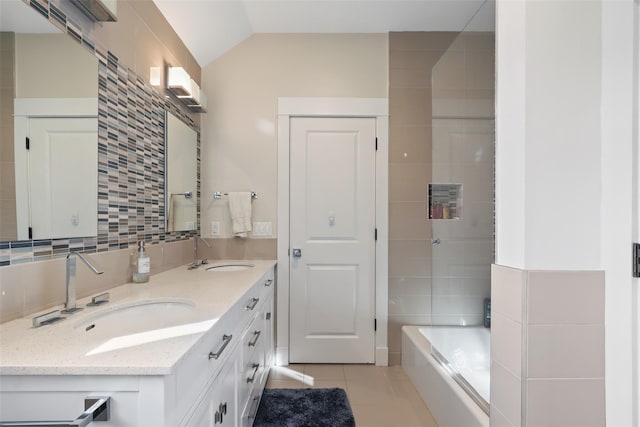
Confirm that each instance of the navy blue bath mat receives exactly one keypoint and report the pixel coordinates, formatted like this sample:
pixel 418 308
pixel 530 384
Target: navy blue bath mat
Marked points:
pixel 304 407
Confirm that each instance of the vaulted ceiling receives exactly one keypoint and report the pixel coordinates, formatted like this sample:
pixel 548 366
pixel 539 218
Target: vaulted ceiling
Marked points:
pixel 209 28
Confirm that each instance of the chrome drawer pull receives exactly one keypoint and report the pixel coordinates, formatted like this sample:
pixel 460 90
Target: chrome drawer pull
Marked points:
pixel 226 339
pixel 252 305
pixel 255 367
pixel 268 282
pixel 255 339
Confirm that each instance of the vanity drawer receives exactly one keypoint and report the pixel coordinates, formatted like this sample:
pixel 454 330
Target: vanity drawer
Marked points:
pixel 251 409
pixel 205 359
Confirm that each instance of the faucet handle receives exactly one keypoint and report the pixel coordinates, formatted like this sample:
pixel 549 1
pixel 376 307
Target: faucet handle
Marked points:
pixel 99 299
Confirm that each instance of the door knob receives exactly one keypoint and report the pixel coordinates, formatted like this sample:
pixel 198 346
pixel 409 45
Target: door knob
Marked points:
pixel 297 253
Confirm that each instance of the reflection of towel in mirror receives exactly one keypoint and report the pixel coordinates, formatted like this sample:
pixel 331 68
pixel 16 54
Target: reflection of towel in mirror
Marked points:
pixel 240 209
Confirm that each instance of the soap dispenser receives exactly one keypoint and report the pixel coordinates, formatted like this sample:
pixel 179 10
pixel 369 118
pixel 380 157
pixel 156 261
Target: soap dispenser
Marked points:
pixel 143 266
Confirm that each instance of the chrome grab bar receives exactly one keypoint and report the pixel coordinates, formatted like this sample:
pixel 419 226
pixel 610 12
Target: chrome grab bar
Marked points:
pixel 96 409
pixel 252 378
pixel 255 339
pixel 252 305
pixel 226 339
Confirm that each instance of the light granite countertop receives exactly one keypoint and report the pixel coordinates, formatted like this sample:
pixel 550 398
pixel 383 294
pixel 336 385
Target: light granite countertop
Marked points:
pixel 69 348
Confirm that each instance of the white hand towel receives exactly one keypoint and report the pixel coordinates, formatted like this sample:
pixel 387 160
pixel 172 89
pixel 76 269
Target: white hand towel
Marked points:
pixel 240 209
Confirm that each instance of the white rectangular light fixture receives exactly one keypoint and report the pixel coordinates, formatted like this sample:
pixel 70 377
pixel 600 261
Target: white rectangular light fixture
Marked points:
pixel 98 10
pixel 194 93
pixel 155 76
pixel 201 105
pixel 179 82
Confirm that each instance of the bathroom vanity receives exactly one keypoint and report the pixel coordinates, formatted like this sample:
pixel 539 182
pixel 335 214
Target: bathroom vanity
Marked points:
pixel 189 348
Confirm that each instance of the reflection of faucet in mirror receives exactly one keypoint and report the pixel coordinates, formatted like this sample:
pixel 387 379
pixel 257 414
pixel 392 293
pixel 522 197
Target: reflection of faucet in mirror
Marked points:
pixel 197 263
pixel 70 304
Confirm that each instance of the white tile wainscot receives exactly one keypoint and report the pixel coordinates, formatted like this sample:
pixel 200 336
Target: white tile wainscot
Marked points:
pixel 153 380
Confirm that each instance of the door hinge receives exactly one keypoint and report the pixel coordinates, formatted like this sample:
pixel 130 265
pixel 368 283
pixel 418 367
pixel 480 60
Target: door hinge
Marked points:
pixel 30 233
pixel 376 143
pixel 375 234
pixel 636 260
pixel 27 143
pixel 289 252
pixel 375 324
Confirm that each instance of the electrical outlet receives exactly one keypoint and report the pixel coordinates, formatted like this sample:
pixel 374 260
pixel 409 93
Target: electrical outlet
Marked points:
pixel 215 228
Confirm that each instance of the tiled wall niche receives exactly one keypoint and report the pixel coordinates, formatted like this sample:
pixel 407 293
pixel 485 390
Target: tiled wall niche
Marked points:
pixel 130 156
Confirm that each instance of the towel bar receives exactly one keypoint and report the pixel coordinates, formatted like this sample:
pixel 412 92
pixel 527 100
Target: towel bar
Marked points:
pixel 97 409
pixel 187 195
pixel 218 195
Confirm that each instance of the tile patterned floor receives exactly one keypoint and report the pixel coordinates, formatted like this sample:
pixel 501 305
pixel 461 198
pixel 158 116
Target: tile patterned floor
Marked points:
pixel 379 396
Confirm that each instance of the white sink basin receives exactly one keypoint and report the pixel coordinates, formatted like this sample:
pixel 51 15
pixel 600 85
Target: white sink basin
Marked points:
pixel 137 317
pixel 229 267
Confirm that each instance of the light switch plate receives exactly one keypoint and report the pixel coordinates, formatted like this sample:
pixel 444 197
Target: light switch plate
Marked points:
pixel 262 229
pixel 215 228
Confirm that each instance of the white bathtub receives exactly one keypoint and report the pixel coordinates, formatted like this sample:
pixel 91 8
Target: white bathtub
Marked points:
pixel 467 350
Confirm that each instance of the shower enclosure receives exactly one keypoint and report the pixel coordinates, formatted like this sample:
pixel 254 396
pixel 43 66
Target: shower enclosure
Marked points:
pixel 460 198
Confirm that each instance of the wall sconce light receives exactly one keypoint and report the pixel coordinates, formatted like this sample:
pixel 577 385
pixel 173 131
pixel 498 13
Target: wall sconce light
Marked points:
pixel 98 10
pixel 186 89
pixel 179 82
pixel 192 94
pixel 155 76
pixel 200 106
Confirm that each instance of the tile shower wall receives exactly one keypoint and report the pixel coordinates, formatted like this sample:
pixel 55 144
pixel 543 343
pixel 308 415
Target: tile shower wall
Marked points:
pixel 412 57
pixel 463 153
pixel 130 159
pixel 441 131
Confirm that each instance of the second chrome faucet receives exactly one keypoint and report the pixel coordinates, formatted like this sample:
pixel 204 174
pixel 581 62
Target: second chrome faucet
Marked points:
pixel 197 263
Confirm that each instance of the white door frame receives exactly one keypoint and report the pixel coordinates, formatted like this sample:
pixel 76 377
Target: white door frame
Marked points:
pixel 333 107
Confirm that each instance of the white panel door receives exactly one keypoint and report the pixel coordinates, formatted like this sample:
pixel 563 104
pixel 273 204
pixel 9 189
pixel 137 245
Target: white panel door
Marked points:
pixel 63 177
pixel 332 291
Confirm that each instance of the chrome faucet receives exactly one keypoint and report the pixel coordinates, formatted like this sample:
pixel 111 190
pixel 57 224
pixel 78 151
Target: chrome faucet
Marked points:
pixel 70 304
pixel 196 263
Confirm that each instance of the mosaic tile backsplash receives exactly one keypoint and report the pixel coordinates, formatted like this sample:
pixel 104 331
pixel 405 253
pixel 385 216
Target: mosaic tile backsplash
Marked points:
pixel 131 152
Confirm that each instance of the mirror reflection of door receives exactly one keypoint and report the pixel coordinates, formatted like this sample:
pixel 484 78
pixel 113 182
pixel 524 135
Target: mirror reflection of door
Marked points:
pixel 61 177
pixel 181 174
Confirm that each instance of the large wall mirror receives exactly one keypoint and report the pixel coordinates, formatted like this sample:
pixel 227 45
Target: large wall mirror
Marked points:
pixel 49 130
pixel 181 175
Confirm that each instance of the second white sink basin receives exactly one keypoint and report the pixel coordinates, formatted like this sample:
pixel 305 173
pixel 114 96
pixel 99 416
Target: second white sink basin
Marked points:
pixel 229 267
pixel 138 317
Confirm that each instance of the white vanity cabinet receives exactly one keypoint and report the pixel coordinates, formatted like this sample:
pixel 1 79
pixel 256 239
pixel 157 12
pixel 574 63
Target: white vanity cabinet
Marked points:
pixel 218 381
pixel 218 407
pixel 236 391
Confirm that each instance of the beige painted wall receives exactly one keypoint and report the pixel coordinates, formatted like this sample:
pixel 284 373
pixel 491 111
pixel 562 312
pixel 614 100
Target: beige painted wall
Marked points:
pixel 54 66
pixel 8 220
pixel 240 132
